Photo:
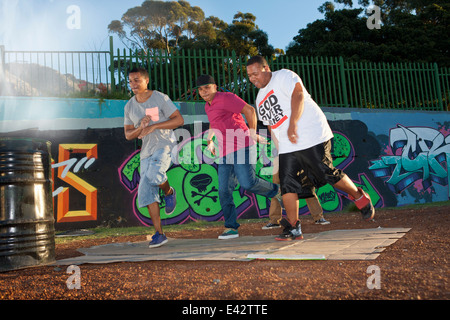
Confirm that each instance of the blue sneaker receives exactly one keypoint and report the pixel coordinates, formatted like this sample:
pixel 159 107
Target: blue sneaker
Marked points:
pixel 171 202
pixel 157 240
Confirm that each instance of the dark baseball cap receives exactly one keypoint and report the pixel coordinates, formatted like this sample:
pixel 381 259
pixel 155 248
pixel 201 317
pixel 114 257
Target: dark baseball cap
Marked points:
pixel 205 79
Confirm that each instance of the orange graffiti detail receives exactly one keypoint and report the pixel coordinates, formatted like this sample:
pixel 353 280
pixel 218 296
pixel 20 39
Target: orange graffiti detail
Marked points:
pixel 63 212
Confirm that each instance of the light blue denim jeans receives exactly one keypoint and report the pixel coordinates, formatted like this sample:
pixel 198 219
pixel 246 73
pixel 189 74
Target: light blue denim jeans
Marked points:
pixel 153 174
pixel 233 169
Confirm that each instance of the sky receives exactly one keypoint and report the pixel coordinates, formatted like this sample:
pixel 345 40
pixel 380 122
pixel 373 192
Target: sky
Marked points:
pixel 82 25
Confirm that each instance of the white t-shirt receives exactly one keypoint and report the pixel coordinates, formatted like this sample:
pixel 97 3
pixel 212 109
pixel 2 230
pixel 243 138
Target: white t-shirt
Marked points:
pixel 273 105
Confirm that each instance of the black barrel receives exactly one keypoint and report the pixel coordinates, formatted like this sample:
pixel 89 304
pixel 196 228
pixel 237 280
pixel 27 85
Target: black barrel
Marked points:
pixel 27 233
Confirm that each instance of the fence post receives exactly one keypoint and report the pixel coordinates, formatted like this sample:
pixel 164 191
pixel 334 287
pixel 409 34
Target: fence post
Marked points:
pixel 438 87
pixel 234 58
pixel 2 55
pixel 344 85
pixel 111 64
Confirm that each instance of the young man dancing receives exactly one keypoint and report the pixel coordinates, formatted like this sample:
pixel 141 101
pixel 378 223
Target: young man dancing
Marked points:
pixel 304 136
pixel 150 115
pixel 236 143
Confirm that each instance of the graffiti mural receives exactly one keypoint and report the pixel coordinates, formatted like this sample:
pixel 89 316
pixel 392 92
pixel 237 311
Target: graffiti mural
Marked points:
pixel 194 172
pixel 416 156
pixel 95 170
pixel 196 183
pixel 96 175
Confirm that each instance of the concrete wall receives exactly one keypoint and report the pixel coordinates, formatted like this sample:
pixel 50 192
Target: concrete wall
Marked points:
pixel 399 157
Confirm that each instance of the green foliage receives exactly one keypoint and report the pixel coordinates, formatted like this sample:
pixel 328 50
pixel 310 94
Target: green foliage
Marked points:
pixel 411 31
pixel 92 94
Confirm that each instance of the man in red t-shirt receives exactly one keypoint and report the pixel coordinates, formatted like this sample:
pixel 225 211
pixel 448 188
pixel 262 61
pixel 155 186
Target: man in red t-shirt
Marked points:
pixel 237 148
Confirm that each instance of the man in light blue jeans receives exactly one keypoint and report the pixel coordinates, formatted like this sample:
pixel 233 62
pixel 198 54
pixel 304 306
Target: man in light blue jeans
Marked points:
pixel 153 174
pixel 151 116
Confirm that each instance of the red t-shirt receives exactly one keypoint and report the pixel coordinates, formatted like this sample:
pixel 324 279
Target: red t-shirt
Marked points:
pixel 224 114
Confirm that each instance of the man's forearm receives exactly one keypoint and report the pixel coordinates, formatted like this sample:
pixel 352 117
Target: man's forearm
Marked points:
pixel 132 133
pixel 297 104
pixel 250 115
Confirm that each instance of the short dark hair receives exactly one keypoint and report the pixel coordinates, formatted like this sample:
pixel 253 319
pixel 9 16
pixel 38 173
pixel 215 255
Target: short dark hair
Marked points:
pixel 257 59
pixel 141 70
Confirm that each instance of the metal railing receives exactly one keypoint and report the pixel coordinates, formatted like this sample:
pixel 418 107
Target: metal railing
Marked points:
pixel 54 73
pixel 331 81
pixel 175 74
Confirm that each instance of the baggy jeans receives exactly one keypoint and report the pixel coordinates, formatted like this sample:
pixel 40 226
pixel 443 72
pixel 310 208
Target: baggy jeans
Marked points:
pixel 233 169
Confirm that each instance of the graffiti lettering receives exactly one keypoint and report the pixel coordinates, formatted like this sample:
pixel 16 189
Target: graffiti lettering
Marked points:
pixel 327 196
pixel 64 165
pixel 425 157
pixel 68 165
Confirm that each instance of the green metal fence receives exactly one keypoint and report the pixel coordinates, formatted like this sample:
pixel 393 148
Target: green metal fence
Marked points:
pixel 175 74
pixel 331 81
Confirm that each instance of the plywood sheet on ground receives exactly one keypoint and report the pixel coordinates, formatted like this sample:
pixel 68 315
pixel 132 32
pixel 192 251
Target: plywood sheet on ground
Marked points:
pixel 358 244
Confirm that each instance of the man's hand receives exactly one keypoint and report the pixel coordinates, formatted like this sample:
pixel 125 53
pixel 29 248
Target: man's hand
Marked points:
pixel 146 131
pixel 211 148
pixel 144 122
pixel 292 133
pixel 257 138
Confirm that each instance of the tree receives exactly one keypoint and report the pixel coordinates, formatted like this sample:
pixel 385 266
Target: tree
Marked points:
pixel 177 25
pixel 155 24
pixel 412 30
pixel 246 38
pixel 206 34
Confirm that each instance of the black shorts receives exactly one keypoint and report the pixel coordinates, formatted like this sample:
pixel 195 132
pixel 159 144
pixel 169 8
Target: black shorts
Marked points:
pixel 303 171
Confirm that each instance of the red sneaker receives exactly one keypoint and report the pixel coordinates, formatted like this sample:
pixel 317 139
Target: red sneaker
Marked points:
pixel 364 204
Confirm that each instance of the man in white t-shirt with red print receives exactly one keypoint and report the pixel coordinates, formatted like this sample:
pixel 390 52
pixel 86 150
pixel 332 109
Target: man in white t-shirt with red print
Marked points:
pixel 304 140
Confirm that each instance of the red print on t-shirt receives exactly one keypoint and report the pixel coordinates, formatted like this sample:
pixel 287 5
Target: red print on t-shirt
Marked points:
pixel 270 111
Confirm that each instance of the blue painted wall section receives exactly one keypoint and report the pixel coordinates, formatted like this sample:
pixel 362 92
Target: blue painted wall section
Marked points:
pixel 399 158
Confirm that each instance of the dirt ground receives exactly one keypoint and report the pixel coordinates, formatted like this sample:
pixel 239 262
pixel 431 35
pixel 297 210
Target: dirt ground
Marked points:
pixel 416 267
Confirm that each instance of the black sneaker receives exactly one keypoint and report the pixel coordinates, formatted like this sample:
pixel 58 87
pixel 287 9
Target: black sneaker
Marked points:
pixel 271 225
pixel 368 212
pixel 322 221
pixel 290 232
